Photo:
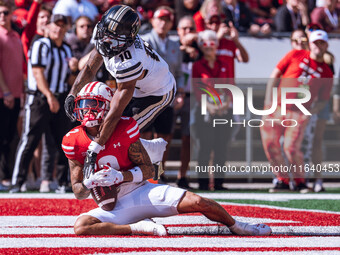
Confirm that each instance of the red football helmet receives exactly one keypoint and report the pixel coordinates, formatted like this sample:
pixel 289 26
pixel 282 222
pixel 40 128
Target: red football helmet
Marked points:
pixel 93 103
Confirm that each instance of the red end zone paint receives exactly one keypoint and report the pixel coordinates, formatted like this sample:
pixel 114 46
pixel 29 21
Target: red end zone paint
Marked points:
pixel 38 207
pixel 74 207
pixel 76 251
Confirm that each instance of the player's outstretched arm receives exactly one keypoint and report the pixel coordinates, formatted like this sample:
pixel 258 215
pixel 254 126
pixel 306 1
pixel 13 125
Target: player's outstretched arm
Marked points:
pixel 139 156
pixel 78 188
pixel 88 73
pixel 120 100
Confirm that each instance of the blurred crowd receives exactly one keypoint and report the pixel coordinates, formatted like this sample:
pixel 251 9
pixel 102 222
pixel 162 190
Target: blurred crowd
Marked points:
pixel 48 41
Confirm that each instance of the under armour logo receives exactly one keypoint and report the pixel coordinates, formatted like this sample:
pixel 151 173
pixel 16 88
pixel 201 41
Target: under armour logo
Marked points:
pixel 116 145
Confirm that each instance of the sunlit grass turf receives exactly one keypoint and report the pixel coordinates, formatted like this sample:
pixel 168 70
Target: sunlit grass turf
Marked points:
pixel 316 204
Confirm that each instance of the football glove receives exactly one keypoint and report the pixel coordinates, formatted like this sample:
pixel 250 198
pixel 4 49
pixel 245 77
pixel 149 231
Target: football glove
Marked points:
pixel 91 182
pixel 69 107
pixel 89 164
pixel 109 176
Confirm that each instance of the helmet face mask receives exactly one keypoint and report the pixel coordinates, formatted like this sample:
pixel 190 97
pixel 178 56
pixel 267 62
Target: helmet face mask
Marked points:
pixel 93 103
pixel 117 30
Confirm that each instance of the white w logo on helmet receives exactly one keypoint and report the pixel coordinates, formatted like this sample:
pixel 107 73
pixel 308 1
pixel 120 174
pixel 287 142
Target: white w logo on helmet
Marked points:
pixel 93 103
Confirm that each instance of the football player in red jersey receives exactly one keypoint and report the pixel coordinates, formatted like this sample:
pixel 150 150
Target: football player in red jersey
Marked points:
pixel 125 162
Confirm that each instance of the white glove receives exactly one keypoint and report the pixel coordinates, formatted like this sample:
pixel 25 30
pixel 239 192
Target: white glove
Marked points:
pixel 155 148
pixel 109 176
pixel 91 182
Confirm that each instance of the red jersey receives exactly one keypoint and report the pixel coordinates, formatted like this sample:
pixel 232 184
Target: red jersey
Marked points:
pixel 115 153
pixel 208 77
pixel 227 53
pixel 307 73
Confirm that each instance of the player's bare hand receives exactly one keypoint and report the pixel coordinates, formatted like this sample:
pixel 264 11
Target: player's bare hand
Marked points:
pixel 223 31
pixel 233 31
pixel 189 38
pixel 53 103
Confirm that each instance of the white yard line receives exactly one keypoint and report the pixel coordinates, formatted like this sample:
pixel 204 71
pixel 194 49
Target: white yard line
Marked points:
pixel 185 242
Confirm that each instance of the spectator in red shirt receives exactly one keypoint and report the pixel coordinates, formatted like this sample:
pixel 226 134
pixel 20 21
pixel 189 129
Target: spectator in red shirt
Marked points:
pixel 306 68
pixel 229 46
pixel 204 73
pixel 37 20
pixel 11 87
pixel 208 8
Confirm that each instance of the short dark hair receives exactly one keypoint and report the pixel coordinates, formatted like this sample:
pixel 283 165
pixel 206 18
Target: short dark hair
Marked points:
pixel 6 4
pixel 45 7
pixel 83 17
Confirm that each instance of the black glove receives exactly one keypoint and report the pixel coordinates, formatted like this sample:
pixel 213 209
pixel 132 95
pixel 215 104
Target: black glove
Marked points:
pixel 89 163
pixel 69 107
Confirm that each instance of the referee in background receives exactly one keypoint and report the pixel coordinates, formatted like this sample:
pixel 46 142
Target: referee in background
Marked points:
pixel 51 68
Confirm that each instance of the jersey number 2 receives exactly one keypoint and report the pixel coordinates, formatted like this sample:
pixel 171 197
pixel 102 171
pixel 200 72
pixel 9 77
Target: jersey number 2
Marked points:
pixel 125 55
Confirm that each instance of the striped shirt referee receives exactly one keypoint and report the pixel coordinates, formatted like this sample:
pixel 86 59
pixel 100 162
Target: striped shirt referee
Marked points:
pixel 48 78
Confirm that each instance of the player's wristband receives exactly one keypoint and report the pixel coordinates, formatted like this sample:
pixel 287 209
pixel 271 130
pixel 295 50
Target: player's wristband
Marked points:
pixel 95 147
pixel 137 174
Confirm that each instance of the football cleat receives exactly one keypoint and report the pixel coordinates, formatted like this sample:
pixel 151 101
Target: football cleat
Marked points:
pixel 148 227
pixel 246 229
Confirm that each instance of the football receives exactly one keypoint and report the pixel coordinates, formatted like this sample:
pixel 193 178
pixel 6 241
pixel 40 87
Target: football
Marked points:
pixel 105 197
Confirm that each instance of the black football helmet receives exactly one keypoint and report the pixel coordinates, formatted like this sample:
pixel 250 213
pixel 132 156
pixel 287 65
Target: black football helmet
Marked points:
pixel 117 30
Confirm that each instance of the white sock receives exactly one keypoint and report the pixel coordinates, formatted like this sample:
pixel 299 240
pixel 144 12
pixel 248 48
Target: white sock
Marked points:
pixel 138 227
pixel 135 228
pixel 238 227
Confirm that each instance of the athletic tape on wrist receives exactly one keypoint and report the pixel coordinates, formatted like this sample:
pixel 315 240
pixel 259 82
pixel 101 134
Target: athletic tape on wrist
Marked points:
pixel 95 147
pixel 137 174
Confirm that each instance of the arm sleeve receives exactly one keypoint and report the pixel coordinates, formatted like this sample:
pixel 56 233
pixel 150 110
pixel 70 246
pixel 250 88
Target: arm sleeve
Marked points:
pixel 39 54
